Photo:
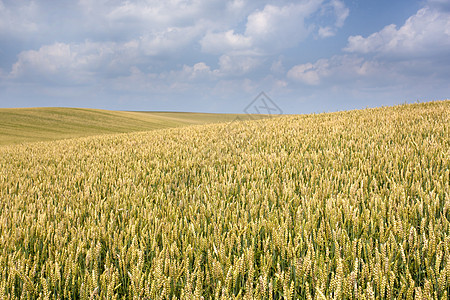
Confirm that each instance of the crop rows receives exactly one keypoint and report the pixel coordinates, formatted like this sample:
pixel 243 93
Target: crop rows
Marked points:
pixel 348 205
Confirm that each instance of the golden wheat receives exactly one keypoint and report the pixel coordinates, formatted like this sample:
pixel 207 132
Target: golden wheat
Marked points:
pixel 349 205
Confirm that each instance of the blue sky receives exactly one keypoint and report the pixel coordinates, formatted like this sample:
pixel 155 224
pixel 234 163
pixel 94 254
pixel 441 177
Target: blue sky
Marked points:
pixel 217 55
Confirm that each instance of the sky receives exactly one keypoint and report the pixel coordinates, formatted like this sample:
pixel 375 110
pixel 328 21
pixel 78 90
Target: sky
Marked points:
pixel 308 56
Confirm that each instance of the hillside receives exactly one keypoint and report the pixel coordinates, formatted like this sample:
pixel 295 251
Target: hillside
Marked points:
pixel 345 205
pixel 18 125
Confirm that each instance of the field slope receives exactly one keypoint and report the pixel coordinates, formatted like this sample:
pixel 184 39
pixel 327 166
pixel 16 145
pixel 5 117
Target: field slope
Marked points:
pixel 348 205
pixel 18 125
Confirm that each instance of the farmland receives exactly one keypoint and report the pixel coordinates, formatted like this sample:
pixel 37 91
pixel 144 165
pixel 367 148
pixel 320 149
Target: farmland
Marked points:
pixel 345 205
pixel 20 125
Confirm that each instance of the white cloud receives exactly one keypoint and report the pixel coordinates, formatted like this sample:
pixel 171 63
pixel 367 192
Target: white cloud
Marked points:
pixel 426 33
pixel 236 5
pixel 167 41
pixel 161 13
pixel 305 73
pixel 201 68
pixel 236 65
pixel 325 32
pixel 10 24
pixel 78 62
pixel 198 72
pixel 412 55
pixel 355 71
pixel 225 42
pixel 274 28
pixel 277 67
pixel 341 12
pixel 239 32
pixel 139 17
pixel 359 72
pixel 333 10
pixel 159 46
pixel 309 73
pixel 279 27
pixel 229 66
pixel 168 27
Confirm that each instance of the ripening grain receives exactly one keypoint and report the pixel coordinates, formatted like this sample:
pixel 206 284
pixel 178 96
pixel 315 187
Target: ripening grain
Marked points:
pixel 350 205
pixel 22 125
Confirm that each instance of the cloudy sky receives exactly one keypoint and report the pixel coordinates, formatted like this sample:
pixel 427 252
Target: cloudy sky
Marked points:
pixel 217 55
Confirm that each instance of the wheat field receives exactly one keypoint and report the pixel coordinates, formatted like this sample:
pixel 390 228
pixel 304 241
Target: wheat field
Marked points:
pixel 346 205
pixel 24 125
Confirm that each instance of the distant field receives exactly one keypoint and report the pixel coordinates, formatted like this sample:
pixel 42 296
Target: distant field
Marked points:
pixel 18 125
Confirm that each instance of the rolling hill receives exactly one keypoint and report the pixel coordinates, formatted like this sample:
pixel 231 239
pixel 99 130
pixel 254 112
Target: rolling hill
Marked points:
pixel 345 205
pixel 18 125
